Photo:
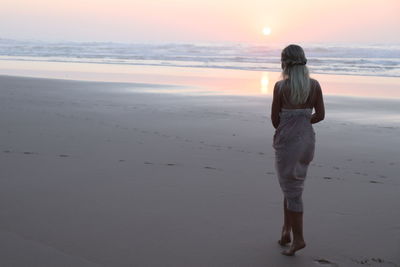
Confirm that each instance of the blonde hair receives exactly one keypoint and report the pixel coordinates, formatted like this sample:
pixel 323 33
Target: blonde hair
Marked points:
pixel 294 69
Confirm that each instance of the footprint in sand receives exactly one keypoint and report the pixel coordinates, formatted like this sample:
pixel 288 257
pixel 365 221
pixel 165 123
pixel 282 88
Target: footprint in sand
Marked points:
pixel 63 156
pixel 379 260
pixel 375 182
pixel 148 163
pixel 324 262
pixel 330 178
pixel 29 153
pixel 210 168
pixel 121 160
pixel 170 164
pixel 369 261
pixel 6 151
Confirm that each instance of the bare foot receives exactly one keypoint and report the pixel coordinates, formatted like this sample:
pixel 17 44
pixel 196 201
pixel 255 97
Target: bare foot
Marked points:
pixel 293 248
pixel 285 238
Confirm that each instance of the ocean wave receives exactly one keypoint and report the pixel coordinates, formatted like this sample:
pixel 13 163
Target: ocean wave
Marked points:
pixel 376 59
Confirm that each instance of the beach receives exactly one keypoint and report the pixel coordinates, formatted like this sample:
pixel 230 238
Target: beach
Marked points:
pixel 106 173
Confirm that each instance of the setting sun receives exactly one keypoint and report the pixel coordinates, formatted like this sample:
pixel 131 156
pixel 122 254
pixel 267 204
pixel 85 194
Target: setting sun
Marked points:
pixel 267 31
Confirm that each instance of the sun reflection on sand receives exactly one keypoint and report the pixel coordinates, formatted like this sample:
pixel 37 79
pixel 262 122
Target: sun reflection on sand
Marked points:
pixel 198 80
pixel 264 83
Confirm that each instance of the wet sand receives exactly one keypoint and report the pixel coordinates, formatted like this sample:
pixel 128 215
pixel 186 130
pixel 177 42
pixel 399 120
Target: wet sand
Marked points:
pixel 105 174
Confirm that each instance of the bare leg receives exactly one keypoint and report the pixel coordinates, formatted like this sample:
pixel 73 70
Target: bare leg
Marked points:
pixel 296 221
pixel 286 229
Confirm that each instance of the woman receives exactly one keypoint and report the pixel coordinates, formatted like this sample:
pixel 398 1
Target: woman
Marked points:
pixel 294 98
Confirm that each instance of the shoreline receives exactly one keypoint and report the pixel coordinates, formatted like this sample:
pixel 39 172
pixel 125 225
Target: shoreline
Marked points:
pixel 345 108
pixel 180 86
pixel 240 82
pixel 4 58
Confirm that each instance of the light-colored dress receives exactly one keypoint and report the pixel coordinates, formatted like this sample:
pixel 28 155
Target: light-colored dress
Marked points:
pixel 294 143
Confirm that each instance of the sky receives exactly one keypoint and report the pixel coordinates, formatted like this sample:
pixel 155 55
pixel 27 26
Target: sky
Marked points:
pixel 339 21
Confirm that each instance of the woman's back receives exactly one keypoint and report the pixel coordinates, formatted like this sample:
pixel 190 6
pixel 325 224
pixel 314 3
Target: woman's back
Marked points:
pixel 282 100
pixel 285 95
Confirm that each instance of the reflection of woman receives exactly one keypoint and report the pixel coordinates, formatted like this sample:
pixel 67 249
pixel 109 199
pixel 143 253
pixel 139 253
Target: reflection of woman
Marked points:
pixel 294 99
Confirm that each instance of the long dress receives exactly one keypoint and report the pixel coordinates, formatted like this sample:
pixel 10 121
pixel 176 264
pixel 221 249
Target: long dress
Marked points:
pixel 294 143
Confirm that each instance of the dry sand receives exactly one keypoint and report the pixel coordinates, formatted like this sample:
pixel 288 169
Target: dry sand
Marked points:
pixel 98 174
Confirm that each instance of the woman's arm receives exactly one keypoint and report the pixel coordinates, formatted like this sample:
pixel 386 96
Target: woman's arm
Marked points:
pixel 276 106
pixel 319 114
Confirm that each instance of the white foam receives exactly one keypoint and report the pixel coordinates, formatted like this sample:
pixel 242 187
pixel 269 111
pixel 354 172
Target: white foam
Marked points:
pixel 351 59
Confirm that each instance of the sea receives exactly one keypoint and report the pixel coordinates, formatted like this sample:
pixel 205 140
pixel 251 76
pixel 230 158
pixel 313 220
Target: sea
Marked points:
pixel 323 58
pixel 361 82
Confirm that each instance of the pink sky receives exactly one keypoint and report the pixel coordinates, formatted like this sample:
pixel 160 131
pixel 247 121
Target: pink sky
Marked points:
pixel 365 21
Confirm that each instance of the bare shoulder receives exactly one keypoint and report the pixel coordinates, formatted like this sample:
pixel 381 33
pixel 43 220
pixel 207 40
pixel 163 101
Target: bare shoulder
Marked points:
pixel 278 83
pixel 315 84
pixel 277 86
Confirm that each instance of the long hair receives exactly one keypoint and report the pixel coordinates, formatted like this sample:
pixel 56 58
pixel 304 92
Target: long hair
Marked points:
pixel 294 69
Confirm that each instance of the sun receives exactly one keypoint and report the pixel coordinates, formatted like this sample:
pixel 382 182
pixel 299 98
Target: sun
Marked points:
pixel 266 31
